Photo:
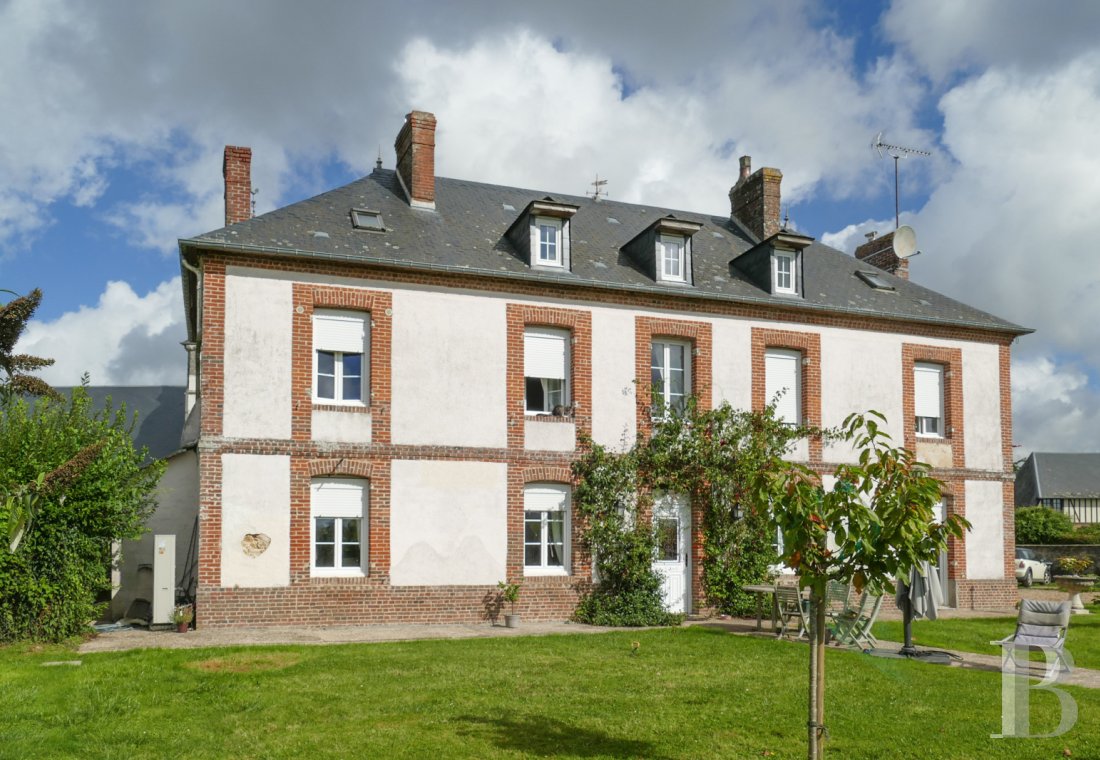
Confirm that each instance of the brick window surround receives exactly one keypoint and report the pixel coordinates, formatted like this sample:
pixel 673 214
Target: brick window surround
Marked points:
pixel 951 360
pixel 954 497
pixel 579 324
pixel 378 305
pixel 580 570
pixel 809 344
pixel 648 329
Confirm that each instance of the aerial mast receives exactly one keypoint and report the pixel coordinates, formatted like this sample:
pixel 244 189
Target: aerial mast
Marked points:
pixel 896 152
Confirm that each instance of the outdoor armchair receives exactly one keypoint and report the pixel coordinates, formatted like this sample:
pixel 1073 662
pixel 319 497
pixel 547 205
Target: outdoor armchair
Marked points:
pixel 792 611
pixel 1041 624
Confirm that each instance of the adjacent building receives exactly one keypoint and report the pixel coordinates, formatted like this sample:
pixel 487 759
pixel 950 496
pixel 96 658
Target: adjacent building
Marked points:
pixel 1065 482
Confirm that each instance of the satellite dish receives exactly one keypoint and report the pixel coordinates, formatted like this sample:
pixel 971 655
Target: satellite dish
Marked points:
pixel 905 241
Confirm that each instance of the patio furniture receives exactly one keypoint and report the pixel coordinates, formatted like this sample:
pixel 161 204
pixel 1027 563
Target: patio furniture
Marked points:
pixel 792 611
pixel 762 591
pixel 1041 624
pixel 837 595
pixel 852 626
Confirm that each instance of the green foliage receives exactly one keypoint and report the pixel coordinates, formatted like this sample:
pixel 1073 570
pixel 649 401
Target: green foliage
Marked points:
pixel 95 492
pixel 17 379
pixel 1042 525
pixel 1072 565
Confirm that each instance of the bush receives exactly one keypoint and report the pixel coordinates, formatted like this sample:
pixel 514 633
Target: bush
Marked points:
pixel 49 586
pixel 1042 525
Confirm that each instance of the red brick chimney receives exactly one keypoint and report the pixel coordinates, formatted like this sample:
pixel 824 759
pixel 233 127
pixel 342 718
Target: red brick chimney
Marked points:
pixel 415 146
pixel 754 200
pixel 879 252
pixel 237 173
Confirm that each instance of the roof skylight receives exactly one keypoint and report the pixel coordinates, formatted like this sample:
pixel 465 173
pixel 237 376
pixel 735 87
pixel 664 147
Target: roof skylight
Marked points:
pixel 365 219
pixel 874 279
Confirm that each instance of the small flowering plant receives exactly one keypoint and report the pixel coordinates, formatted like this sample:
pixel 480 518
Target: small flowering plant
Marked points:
pixel 509 592
pixel 183 613
pixel 1072 565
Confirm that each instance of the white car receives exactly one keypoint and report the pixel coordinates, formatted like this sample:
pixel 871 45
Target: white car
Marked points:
pixel 1029 567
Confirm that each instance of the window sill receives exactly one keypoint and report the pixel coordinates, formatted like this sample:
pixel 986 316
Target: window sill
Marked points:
pixel 543 417
pixel 545 572
pixel 329 406
pixel 316 573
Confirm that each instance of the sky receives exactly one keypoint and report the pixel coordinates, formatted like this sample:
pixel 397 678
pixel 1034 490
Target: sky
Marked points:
pixel 113 117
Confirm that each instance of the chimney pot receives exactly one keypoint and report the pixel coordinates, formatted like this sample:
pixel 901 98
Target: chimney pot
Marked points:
pixel 237 173
pixel 746 168
pixel 415 146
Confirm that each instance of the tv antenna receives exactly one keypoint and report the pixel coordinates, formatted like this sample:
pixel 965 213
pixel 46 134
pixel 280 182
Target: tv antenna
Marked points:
pixel 895 152
pixel 597 188
pixel 254 192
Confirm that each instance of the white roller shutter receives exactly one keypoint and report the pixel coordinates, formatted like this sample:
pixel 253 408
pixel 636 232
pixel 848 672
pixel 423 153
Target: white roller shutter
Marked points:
pixel 544 353
pixel 340 331
pixel 338 497
pixel 782 370
pixel 546 497
pixel 928 390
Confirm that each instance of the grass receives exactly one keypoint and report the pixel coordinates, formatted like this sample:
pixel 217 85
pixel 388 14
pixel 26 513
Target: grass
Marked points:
pixel 974 635
pixel 687 693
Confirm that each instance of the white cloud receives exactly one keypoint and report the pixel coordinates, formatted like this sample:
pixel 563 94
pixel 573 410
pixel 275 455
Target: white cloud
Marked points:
pixel 125 339
pixel 1054 407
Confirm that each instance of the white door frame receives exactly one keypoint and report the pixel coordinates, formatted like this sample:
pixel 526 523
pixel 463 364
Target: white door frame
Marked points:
pixel 674 571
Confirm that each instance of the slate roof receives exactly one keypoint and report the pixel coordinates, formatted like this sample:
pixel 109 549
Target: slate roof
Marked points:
pixel 466 233
pixel 1058 476
pixel 160 413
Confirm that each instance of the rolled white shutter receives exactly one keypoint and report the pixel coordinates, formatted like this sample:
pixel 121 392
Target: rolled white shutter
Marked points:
pixel 346 333
pixel 544 353
pixel 928 390
pixel 545 498
pixel 338 497
pixel 781 371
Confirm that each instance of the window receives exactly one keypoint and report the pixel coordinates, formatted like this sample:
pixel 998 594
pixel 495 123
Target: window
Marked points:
pixel 338 534
pixel 671 250
pixel 928 399
pixel 548 233
pixel 340 345
pixel 783 273
pixel 671 375
pixel 546 529
pixel 546 370
pixel 783 374
pixel 365 219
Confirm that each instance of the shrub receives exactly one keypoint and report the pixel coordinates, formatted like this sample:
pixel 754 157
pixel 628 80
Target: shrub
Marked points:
pixel 1041 525
pixel 1072 565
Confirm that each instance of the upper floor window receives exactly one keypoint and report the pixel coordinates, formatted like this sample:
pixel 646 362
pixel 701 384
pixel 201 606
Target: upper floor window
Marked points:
pixel 338 534
pixel 546 370
pixel 783 375
pixel 671 374
pixel 549 247
pixel 783 275
pixel 928 399
pixel 672 262
pixel 546 526
pixel 340 349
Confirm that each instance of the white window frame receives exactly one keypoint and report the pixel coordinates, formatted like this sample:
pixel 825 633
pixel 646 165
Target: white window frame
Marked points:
pixel 665 395
pixel 777 274
pixel 340 505
pixel 341 349
pixel 544 499
pixel 556 334
pixel 558 227
pixel 927 426
pixel 793 396
pixel 663 259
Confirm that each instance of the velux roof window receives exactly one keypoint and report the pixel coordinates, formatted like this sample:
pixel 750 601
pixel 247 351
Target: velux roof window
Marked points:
pixel 365 219
pixel 875 280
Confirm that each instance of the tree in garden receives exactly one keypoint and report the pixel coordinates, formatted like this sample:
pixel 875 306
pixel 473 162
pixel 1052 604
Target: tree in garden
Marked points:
pixel 16 379
pixel 880 516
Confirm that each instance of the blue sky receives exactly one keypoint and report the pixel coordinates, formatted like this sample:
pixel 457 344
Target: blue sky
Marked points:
pixel 116 115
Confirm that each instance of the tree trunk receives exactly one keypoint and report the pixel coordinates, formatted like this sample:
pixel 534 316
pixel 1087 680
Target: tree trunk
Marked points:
pixel 816 719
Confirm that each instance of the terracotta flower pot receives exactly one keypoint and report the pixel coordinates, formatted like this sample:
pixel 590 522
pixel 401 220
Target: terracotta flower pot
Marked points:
pixel 182 627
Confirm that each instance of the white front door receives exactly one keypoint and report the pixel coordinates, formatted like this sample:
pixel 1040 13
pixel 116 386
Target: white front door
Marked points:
pixel 940 568
pixel 672 522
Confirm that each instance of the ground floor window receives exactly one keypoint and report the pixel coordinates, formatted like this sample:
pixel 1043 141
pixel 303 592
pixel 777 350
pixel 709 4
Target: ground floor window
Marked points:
pixel 338 535
pixel 546 529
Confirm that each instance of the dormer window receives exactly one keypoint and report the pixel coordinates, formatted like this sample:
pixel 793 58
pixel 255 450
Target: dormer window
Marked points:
pixel 672 257
pixel 783 275
pixel 548 244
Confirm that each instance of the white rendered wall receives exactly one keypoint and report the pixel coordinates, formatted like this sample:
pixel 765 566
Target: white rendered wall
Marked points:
pixel 731 358
pixel 614 416
pixel 449 368
pixel 549 436
pixel 346 427
pixel 448 523
pixel 982 407
pixel 985 543
pixel 177 500
pixel 257 356
pixel 255 499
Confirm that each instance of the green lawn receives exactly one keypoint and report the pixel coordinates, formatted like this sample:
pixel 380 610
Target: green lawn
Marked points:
pixel 689 693
pixel 974 635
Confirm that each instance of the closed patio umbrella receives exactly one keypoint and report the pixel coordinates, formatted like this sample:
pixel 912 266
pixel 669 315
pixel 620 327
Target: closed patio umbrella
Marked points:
pixel 920 596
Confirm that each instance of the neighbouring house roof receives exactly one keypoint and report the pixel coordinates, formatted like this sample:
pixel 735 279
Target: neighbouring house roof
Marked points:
pixel 1058 476
pixel 159 410
pixel 466 233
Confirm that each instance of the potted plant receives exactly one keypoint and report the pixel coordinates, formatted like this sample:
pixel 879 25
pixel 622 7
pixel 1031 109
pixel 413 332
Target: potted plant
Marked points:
pixel 509 592
pixel 182 615
pixel 1070 577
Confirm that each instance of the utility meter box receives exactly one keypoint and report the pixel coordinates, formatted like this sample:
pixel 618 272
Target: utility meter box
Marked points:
pixel 164 578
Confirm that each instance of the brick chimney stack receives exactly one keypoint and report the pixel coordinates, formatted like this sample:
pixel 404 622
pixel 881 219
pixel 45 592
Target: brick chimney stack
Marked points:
pixel 415 146
pixel 879 252
pixel 754 200
pixel 237 173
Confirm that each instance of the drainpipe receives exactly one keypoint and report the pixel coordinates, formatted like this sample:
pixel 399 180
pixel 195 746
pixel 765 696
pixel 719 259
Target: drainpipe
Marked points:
pixel 193 346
